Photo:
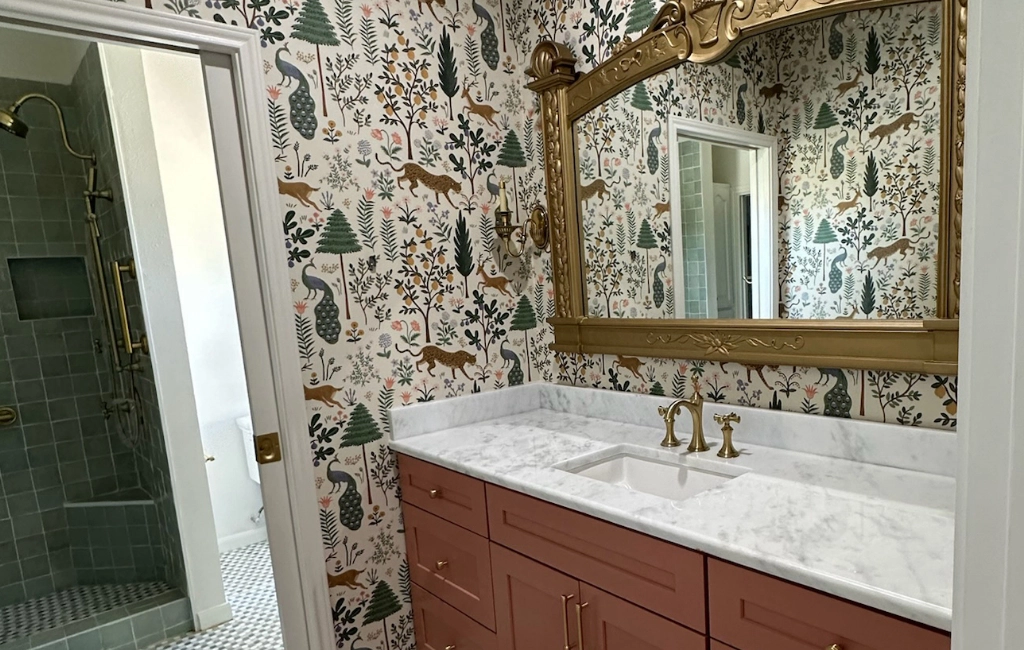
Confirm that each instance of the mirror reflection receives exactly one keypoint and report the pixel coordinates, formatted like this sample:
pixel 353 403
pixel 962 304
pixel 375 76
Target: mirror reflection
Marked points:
pixel 797 178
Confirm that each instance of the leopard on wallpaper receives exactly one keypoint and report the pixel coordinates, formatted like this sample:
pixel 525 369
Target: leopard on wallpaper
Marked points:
pixel 392 124
pixel 854 102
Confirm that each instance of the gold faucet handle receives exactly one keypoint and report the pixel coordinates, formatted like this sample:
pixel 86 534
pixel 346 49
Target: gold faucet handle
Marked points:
pixel 727 420
pixel 663 411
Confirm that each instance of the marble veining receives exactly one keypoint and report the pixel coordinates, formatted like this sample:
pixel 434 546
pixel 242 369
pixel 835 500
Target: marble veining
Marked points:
pixel 878 535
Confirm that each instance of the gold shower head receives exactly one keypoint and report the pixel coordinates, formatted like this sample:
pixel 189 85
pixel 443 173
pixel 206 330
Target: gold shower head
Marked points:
pixel 10 122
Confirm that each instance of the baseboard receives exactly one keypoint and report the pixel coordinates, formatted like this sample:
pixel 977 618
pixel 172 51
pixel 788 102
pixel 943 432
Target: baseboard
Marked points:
pixel 238 540
pixel 212 616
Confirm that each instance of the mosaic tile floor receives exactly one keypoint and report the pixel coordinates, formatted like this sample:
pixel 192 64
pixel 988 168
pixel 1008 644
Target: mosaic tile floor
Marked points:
pixel 249 586
pixel 70 605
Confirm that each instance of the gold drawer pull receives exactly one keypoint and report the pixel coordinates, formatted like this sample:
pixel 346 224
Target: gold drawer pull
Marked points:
pixel 834 646
pixel 441 564
pixel 435 493
pixel 565 619
pixel 579 621
pixel 450 647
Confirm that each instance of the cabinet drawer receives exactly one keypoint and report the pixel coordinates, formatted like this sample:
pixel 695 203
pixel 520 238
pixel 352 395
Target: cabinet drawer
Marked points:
pixel 451 563
pixel 610 623
pixel 752 611
pixel 442 492
pixel 658 576
pixel 440 626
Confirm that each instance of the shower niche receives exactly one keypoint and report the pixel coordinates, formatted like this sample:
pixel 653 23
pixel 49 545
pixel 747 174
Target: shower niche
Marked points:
pixel 50 287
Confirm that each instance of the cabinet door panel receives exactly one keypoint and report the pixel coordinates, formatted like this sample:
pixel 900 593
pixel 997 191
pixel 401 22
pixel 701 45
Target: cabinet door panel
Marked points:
pixel 530 613
pixel 610 623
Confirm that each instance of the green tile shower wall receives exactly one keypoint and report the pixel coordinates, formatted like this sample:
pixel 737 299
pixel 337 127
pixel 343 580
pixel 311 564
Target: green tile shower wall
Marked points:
pixel 150 452
pixel 115 543
pixel 695 276
pixel 61 448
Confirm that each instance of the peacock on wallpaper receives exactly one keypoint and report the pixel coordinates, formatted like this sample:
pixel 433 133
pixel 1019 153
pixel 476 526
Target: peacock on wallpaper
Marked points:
pixel 393 122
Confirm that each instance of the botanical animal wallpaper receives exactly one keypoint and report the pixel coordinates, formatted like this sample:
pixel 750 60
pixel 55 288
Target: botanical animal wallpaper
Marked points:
pixel 854 102
pixel 393 122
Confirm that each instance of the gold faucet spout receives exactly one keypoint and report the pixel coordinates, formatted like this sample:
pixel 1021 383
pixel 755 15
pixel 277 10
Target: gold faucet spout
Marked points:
pixel 696 409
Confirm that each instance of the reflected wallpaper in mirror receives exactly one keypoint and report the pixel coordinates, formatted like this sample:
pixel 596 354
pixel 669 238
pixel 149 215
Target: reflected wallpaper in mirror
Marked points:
pixel 853 102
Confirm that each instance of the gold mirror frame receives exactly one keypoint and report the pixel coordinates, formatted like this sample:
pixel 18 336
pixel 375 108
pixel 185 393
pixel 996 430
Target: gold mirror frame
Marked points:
pixel 704 31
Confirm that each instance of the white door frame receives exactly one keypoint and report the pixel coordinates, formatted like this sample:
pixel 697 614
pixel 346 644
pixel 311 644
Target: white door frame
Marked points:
pixel 764 201
pixel 988 588
pixel 232 55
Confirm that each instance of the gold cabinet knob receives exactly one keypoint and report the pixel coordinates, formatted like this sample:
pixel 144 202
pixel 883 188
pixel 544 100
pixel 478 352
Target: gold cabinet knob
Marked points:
pixel 450 647
pixel 441 564
pixel 834 646
pixel 435 493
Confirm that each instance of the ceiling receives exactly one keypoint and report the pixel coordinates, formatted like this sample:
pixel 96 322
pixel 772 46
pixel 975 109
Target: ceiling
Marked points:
pixel 39 57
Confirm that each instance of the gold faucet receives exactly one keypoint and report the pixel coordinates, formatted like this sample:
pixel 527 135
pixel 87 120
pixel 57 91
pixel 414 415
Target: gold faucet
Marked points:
pixel 727 450
pixel 696 409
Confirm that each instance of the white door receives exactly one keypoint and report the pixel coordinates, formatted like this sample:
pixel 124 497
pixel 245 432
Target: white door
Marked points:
pixel 288 497
pixel 289 502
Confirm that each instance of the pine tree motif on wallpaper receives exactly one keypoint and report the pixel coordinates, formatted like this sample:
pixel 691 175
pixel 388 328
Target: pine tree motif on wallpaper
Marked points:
pixel 393 79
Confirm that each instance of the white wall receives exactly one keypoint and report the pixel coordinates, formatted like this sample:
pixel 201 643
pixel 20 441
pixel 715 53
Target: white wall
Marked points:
pixel 732 166
pixel 184 148
pixel 36 56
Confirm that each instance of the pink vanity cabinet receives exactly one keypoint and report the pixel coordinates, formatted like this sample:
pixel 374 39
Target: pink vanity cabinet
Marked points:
pixel 493 569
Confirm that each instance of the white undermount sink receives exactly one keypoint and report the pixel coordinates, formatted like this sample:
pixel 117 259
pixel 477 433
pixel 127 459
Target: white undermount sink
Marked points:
pixel 667 480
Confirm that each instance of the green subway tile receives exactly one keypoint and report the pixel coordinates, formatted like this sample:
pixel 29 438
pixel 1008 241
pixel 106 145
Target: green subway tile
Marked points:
pixel 116 634
pixel 31 546
pixel 89 640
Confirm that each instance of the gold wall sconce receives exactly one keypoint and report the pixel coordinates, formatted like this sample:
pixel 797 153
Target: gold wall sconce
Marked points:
pixel 536 226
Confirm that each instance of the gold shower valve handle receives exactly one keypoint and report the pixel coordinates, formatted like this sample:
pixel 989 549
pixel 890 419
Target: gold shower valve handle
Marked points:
pixel 8 415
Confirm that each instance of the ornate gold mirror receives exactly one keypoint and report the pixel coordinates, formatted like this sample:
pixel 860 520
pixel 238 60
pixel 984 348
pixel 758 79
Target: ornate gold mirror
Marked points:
pixel 763 181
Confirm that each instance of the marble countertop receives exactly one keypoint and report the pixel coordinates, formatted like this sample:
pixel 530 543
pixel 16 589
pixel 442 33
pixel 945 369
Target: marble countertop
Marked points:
pixel 879 536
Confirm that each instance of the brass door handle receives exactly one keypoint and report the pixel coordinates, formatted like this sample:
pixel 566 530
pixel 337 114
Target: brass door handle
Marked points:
pixel 126 336
pixel 440 564
pixel 565 619
pixel 435 493
pixel 579 621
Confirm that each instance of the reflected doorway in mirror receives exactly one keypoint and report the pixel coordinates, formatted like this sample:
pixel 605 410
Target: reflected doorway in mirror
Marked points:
pixel 724 214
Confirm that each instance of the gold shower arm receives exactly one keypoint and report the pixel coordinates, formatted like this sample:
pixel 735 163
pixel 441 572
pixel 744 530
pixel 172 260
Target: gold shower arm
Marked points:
pixel 16 106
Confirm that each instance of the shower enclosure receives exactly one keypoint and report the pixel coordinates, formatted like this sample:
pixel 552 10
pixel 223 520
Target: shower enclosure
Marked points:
pixel 87 524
